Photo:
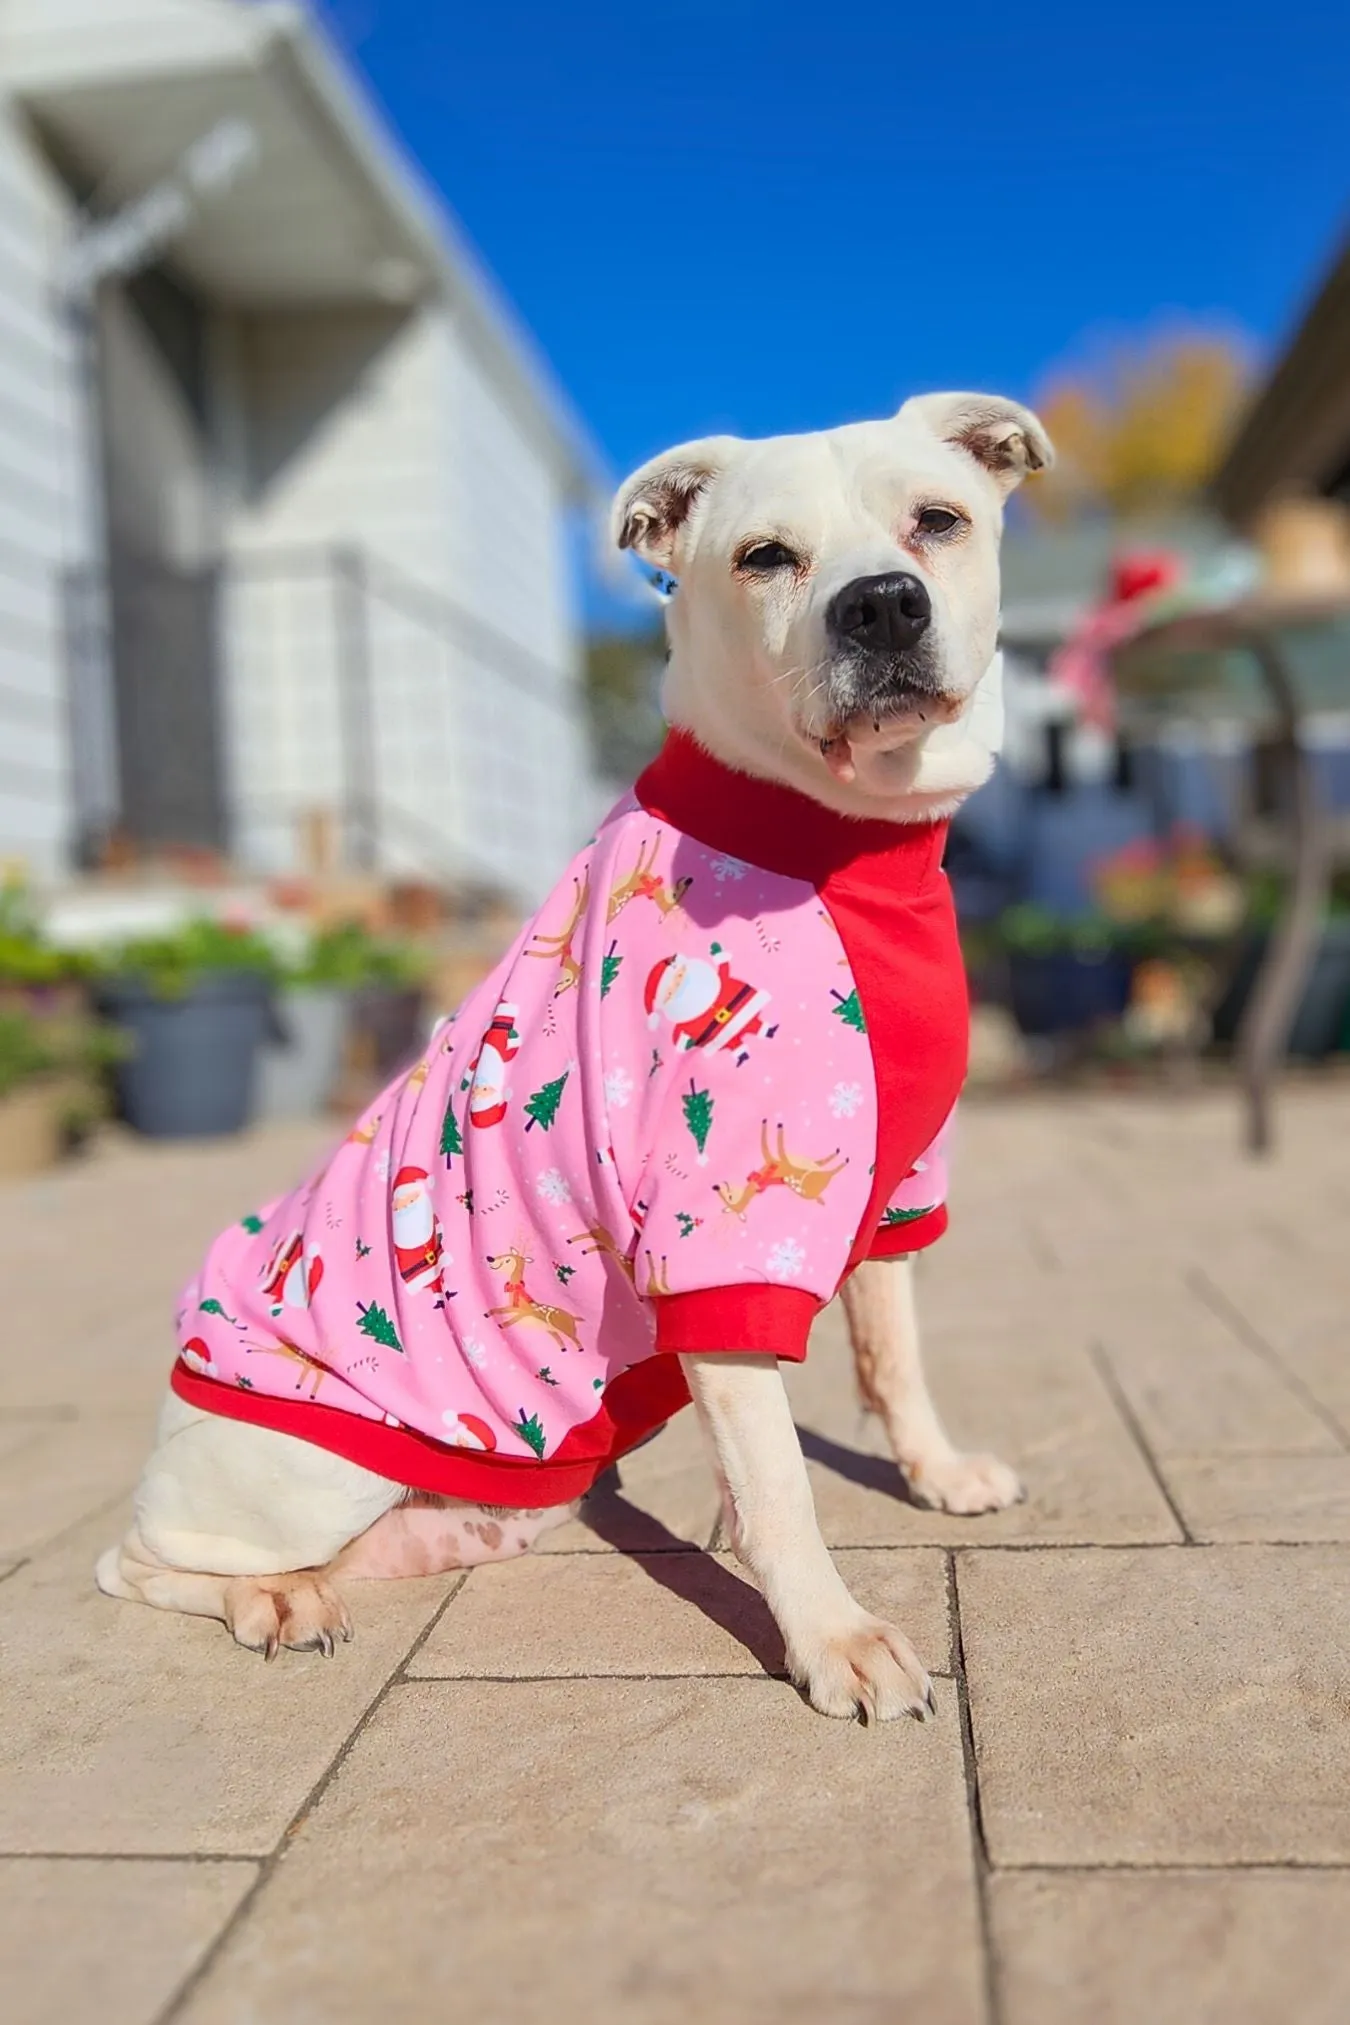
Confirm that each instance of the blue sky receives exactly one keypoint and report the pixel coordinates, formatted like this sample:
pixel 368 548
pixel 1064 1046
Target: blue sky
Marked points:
pixel 768 217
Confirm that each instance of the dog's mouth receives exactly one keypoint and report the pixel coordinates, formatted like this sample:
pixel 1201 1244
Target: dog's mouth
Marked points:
pixel 867 738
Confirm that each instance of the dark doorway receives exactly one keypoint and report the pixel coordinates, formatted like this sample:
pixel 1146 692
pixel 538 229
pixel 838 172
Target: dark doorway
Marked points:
pixel 163 568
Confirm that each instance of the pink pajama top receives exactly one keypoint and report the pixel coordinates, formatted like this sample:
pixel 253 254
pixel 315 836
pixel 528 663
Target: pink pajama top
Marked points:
pixel 713 1073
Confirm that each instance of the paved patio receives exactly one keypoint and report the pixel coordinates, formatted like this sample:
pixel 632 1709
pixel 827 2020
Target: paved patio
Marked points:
pixel 578 1786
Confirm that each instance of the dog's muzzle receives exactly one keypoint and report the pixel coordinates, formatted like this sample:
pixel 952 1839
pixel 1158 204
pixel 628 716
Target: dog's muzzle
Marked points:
pixel 883 615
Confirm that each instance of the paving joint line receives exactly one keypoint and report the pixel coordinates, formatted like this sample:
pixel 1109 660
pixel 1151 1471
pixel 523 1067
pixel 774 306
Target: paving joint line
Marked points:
pixel 1102 1365
pixel 268 1864
pixel 1213 1297
pixel 979 1845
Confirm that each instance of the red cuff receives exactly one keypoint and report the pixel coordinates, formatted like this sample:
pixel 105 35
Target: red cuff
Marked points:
pixel 772 1320
pixel 893 1240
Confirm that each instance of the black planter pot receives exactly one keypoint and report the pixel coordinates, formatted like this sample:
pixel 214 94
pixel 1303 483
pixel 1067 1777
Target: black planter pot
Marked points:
pixel 190 1072
pixel 1064 991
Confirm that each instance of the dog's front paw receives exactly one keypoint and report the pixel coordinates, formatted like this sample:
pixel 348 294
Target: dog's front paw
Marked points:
pixel 964 1483
pixel 301 1611
pixel 865 1668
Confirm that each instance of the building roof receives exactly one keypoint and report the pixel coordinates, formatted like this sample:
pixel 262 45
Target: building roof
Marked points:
pixel 1296 435
pixel 119 90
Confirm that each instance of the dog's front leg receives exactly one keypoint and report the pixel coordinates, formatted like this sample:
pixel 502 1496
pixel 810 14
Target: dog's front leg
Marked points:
pixel 879 1302
pixel 847 1661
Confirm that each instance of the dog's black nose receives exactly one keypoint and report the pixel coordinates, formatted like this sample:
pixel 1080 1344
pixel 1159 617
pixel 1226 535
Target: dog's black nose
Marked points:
pixel 889 612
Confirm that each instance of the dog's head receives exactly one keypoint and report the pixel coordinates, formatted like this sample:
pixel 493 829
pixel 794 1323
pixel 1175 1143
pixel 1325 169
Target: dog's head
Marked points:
pixel 838 595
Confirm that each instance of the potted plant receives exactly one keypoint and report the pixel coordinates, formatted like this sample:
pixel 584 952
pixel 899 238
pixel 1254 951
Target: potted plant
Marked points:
pixel 195 1006
pixel 35 976
pixel 1064 972
pixel 51 1087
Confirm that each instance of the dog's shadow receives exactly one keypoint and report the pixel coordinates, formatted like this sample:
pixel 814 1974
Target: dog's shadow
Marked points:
pixel 692 1574
pixel 869 1472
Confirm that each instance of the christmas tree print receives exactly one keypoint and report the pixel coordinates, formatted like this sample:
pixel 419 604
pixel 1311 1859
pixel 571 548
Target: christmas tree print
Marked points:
pixel 530 1430
pixel 850 1011
pixel 377 1325
pixel 542 1107
pixel 610 964
pixel 252 1224
pixel 451 1143
pixel 698 1116
pixel 891 1217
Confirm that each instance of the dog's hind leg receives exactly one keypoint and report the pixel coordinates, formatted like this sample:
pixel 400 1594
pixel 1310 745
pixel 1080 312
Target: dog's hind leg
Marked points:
pixel 240 1523
pixel 883 1325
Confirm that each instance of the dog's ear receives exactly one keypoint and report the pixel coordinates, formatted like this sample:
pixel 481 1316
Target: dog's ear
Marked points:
pixel 1003 437
pixel 652 507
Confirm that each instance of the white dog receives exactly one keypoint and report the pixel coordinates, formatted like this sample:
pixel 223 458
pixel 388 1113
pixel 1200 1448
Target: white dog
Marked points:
pixel 432 1399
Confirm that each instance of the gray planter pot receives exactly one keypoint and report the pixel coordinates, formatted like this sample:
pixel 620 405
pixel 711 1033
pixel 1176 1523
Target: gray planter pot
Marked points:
pixel 299 1067
pixel 192 1063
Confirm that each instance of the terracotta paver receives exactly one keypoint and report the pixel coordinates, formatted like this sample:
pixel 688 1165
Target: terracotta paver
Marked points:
pixel 620 1849
pixel 99 1938
pixel 1174 1947
pixel 1177 1705
pixel 578 1785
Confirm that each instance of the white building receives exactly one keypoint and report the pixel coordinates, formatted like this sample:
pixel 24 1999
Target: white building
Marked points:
pixel 286 506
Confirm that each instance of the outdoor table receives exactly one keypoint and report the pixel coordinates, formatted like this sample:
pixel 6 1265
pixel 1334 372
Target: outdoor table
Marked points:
pixel 1266 662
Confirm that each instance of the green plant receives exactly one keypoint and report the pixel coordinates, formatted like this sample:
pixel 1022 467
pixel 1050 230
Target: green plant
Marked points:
pixel 171 965
pixel 25 1051
pixel 27 958
pixel 1029 930
pixel 348 955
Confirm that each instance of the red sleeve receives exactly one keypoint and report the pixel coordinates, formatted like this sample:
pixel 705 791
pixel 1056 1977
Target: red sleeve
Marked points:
pixel 752 1317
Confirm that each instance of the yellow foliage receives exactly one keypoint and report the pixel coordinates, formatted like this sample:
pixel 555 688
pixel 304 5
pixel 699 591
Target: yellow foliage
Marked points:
pixel 1145 431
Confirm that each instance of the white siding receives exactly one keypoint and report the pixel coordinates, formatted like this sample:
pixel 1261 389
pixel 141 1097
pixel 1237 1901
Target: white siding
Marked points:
pixel 379 436
pixel 40 509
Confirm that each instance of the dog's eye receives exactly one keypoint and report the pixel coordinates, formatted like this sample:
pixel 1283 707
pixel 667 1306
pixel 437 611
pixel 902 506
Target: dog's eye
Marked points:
pixel 767 556
pixel 936 520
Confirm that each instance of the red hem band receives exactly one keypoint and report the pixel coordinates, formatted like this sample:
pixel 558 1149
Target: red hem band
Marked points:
pixel 639 1401
pixel 755 1319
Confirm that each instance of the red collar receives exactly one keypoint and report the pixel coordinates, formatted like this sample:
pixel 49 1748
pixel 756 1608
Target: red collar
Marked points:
pixel 778 829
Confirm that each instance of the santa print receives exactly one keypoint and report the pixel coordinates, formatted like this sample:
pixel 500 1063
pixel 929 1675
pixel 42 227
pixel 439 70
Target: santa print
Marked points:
pixel 704 1004
pixel 292 1275
pixel 488 1090
pixel 419 1245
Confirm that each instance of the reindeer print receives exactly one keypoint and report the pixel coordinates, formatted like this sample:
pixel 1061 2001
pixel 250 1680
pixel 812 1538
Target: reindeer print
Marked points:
pixel 312 1372
pixel 807 1178
pixel 559 945
pixel 642 884
pixel 520 1305
pixel 595 1238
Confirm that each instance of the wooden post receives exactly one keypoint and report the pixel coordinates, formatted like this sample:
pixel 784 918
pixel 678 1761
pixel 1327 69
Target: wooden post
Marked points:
pixel 1278 990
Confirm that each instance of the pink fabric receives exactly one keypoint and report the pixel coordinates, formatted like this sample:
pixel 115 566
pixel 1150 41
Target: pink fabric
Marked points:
pixel 663 1088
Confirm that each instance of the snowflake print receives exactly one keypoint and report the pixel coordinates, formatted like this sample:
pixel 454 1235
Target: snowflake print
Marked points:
pixel 727 867
pixel 618 1089
pixel 382 1166
pixel 475 1352
pixel 845 1099
pixel 552 1187
pixel 784 1260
